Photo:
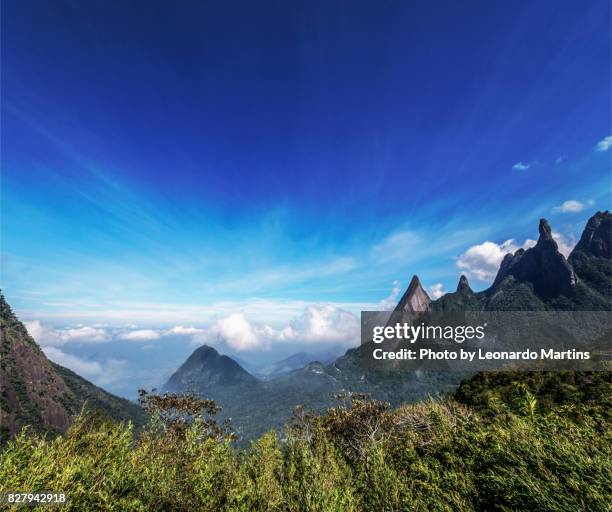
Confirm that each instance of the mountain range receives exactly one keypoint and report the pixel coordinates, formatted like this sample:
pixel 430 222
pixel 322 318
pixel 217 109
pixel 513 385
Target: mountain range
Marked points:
pixel 46 396
pixel 539 278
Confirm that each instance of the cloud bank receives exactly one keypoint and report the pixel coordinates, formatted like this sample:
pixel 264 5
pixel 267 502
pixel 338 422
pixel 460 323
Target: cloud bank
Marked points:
pixel 316 325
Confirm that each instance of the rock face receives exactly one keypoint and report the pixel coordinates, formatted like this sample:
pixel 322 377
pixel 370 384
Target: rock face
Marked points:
pixel 206 369
pixel 42 394
pixel 592 256
pixel 596 239
pixel 32 392
pixel 464 286
pixel 542 265
pixel 415 299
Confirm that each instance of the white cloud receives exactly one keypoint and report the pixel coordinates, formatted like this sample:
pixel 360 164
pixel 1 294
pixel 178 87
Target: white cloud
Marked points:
pixel 36 330
pixel 437 290
pixel 572 206
pixel 604 144
pixel 48 336
pixel 482 261
pixel 316 324
pixel 520 166
pixel 560 159
pixel 179 330
pixel 140 335
pixel 569 206
pixel 319 324
pixel 565 244
pixel 237 332
pixel 76 364
pixel 110 371
pixel 390 302
pixel 84 333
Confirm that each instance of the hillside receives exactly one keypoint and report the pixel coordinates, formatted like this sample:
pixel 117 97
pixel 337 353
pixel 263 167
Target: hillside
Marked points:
pixel 41 394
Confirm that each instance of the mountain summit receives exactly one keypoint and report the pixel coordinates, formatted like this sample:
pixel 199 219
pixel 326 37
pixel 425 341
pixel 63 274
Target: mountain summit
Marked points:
pixel 542 265
pixel 464 286
pixel 415 299
pixel 206 369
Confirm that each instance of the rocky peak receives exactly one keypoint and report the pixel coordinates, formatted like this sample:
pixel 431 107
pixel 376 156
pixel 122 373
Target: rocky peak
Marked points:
pixel 464 285
pixel 415 299
pixel 591 259
pixel 542 265
pixel 545 230
pixel 596 238
pixel 205 367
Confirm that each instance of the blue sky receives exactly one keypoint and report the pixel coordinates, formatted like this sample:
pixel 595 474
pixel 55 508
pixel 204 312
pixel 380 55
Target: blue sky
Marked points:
pixel 281 163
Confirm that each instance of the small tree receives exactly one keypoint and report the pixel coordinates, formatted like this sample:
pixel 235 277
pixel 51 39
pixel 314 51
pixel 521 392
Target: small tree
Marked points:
pixel 175 413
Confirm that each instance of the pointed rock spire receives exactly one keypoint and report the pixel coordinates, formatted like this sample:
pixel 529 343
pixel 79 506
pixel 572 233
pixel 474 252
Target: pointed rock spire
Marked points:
pixel 415 299
pixel 542 265
pixel 545 230
pixel 464 285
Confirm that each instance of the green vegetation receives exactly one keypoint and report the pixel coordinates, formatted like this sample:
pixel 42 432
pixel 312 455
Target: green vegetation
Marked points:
pixel 491 392
pixel 519 446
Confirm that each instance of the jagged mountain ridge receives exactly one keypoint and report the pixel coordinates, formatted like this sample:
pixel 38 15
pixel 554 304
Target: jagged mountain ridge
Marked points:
pixel 41 394
pixel 540 277
pixel 535 279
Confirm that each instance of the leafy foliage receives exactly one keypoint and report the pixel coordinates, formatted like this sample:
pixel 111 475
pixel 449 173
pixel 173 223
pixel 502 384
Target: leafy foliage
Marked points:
pixel 359 455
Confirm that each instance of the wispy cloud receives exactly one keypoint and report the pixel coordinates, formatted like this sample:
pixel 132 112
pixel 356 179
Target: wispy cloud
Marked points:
pixel 604 144
pixel 520 166
pixel 396 246
pixel 572 206
pixel 103 373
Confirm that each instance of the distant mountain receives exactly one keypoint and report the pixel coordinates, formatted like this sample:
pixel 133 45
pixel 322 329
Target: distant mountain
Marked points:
pixel 206 368
pixel 295 362
pixel 539 278
pixel 256 405
pixel 42 394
